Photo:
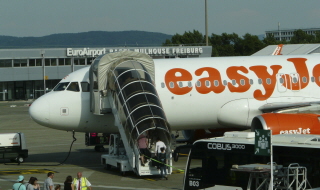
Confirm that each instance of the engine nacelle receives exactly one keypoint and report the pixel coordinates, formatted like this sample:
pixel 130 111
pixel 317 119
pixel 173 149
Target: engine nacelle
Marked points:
pixel 284 123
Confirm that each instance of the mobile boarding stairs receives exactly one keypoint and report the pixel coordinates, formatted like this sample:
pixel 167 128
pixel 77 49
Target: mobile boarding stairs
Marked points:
pixel 122 84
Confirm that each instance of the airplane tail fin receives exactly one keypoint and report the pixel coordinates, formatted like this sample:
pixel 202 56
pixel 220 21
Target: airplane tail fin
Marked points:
pixel 278 50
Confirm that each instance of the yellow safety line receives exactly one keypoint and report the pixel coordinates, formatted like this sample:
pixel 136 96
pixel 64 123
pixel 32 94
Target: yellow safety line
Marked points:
pixel 163 163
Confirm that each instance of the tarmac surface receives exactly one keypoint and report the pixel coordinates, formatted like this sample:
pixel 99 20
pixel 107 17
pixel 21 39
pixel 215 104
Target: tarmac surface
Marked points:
pixel 49 147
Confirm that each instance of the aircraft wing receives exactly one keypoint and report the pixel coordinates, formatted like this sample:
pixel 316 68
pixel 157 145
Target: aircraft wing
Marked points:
pixel 297 107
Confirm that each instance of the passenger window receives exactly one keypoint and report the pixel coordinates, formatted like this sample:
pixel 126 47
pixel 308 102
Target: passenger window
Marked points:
pixel 162 85
pixel 225 82
pixel 304 79
pixel 295 80
pixel 312 79
pixel 171 84
pixel 61 86
pixel 190 84
pixel 242 82
pixel 268 81
pixel 234 82
pixel 216 83
pixel 85 87
pixel 251 82
pixel 180 84
pixel 281 80
pixel 198 83
pixel 260 81
pixel 74 86
pixel 207 83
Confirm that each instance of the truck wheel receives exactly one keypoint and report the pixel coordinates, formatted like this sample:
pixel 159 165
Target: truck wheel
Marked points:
pixel 20 159
pixel 107 167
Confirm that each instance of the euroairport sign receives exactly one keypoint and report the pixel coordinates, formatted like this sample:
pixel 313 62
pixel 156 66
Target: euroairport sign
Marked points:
pixel 94 52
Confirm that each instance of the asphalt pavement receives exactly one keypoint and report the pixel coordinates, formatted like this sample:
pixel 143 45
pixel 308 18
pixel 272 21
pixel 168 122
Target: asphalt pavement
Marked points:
pixel 48 148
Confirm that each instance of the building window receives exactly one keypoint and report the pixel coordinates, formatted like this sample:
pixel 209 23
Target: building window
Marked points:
pixel 90 60
pixel 61 61
pixel 67 61
pixel 47 62
pixel 38 62
pixel 79 61
pixel 53 62
pixel 6 63
pixel 20 62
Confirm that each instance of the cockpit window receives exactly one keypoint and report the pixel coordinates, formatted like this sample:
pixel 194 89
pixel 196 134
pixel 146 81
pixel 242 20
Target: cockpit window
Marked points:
pixel 74 86
pixel 85 87
pixel 61 86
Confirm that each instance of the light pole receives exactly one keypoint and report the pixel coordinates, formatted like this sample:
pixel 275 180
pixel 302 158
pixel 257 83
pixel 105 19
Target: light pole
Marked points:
pixel 206 22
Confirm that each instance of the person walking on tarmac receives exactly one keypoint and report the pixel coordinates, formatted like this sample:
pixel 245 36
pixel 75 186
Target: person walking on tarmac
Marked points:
pixel 81 183
pixel 48 183
pixel 163 165
pixel 19 185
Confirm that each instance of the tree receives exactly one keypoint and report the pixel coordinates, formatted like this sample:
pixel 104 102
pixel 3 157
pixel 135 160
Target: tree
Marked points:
pixel 250 44
pixel 300 37
pixel 194 38
pixel 224 45
pixel 270 40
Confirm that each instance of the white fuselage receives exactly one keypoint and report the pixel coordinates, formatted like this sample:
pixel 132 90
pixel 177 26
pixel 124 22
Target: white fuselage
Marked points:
pixel 196 93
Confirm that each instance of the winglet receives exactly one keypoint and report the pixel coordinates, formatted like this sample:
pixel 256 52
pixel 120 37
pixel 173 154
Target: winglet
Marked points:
pixel 278 50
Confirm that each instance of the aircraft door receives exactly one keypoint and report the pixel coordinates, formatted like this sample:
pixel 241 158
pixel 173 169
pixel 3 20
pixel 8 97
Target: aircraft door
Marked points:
pixel 281 80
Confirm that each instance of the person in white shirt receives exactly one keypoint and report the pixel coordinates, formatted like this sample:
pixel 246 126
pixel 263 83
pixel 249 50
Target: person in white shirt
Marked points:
pixel 81 183
pixel 48 183
pixel 159 144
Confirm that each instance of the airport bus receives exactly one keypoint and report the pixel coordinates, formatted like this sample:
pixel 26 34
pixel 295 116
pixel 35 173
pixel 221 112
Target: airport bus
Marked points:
pixel 229 163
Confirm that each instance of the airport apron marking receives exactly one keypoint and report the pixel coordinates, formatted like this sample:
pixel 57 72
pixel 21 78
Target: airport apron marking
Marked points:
pixel 25 171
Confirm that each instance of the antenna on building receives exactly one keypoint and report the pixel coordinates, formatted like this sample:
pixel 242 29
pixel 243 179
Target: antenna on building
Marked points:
pixel 279 31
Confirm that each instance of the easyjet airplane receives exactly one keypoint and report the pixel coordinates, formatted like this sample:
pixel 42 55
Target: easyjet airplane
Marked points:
pixel 205 96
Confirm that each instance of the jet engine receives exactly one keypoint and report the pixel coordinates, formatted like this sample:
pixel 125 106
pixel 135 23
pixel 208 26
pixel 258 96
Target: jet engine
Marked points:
pixel 286 123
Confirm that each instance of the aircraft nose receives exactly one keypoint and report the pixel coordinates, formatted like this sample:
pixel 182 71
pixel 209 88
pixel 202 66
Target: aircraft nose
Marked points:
pixel 39 111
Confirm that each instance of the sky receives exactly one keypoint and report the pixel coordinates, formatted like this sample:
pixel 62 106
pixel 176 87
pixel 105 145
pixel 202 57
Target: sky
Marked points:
pixel 44 17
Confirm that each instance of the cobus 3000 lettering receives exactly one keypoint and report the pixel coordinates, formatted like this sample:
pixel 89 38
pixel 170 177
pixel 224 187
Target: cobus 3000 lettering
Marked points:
pixel 222 146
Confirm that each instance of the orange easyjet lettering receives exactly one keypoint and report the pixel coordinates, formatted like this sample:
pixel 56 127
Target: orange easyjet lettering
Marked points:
pixel 176 75
pixel 214 75
pixel 262 73
pixel 214 83
pixel 242 81
pixel 316 74
pixel 302 70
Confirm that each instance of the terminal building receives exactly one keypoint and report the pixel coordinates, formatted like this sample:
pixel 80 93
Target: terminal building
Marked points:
pixel 287 34
pixel 29 73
